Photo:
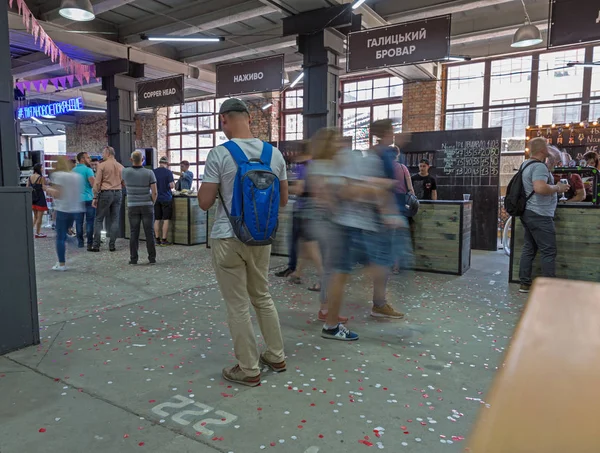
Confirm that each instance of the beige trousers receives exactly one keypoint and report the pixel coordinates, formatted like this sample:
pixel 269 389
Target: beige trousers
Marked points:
pixel 242 274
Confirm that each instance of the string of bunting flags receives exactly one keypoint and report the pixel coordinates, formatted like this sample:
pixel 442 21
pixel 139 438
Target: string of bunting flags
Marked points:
pixel 64 82
pixel 81 72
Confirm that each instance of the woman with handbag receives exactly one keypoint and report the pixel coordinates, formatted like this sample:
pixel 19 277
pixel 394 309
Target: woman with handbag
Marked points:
pixel 38 198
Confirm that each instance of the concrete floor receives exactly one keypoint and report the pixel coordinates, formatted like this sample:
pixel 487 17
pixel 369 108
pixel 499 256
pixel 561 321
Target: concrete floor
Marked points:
pixel 131 357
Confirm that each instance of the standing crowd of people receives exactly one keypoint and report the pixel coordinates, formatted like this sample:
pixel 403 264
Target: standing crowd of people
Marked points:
pixel 89 195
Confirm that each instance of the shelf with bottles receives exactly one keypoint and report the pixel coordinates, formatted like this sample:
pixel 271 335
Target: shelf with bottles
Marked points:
pixel 412 159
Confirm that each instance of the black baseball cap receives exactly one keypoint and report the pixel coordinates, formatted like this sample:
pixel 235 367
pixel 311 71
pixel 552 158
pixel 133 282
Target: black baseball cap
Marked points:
pixel 425 161
pixel 233 105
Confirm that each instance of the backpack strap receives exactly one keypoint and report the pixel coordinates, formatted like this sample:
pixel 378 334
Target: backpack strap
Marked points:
pixel 522 169
pixel 236 152
pixel 267 154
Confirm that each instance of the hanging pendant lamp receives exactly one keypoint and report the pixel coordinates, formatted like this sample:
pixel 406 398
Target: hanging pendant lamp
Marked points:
pixel 78 10
pixel 527 35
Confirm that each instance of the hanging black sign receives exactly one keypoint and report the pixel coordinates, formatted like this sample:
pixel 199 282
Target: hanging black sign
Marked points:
pixel 160 92
pixel 395 45
pixel 574 22
pixel 250 76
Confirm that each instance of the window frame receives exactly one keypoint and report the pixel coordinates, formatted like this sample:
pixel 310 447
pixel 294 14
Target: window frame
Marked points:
pixel 585 101
pixel 370 103
pixel 285 112
pixel 198 163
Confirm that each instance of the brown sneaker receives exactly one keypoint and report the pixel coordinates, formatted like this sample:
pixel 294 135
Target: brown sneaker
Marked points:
pixel 277 367
pixel 235 374
pixel 387 311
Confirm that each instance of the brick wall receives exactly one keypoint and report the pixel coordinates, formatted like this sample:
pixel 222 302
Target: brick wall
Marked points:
pixel 264 124
pixel 422 106
pixel 89 133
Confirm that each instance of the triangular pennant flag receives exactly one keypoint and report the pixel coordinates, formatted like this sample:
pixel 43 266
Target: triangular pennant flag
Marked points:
pixel 54 82
pixel 21 87
pixel 27 85
pixel 44 84
pixel 86 77
pixel 99 79
pixel 36 84
pixel 70 79
pixel 62 81
pixel 79 78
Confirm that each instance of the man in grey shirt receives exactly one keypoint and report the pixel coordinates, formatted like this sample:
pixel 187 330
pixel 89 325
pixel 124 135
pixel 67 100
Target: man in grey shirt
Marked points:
pixel 538 218
pixel 141 196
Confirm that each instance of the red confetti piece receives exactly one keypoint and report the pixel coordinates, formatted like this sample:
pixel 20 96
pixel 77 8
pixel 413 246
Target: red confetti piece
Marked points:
pixel 259 409
pixel 272 444
pixel 125 436
pixel 152 401
pixel 321 436
pixel 365 442
pixel 300 426
pixel 42 430
pixel 141 444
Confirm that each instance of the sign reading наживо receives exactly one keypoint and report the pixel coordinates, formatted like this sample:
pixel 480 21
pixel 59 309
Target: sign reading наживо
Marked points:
pixel 160 92
pixel 395 45
pixel 250 76
pixel 574 22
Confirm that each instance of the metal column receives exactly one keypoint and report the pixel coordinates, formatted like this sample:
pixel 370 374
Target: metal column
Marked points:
pixel 120 116
pixel 321 52
pixel 19 325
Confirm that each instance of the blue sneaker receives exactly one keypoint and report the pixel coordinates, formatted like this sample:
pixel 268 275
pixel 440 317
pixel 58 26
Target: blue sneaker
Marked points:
pixel 339 333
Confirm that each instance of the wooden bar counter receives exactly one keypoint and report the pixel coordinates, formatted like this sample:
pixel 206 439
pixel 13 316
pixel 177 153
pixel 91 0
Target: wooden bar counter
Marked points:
pixel 188 225
pixel 577 242
pixel 442 236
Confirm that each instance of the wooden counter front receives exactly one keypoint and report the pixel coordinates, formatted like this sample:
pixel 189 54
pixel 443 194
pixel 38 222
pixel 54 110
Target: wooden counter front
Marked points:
pixel 441 234
pixel 577 242
pixel 188 225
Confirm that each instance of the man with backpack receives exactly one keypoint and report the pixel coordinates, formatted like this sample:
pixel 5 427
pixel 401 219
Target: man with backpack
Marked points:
pixel 249 176
pixel 532 195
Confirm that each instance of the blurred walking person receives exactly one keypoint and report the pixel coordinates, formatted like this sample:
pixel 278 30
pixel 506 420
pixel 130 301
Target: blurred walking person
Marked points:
pixel 141 196
pixel 324 146
pixel 66 191
pixel 83 168
pixel 107 198
pixel 37 182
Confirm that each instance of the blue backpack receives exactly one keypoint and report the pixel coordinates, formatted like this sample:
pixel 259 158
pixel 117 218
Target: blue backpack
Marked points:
pixel 254 212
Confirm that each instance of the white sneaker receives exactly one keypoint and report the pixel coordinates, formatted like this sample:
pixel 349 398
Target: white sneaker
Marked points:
pixel 58 267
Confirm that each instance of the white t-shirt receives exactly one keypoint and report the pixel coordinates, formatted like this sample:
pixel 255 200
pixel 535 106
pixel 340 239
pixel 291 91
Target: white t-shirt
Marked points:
pixel 221 169
pixel 71 187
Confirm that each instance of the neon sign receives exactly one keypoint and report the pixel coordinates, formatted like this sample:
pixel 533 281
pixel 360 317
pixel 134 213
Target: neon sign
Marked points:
pixel 54 109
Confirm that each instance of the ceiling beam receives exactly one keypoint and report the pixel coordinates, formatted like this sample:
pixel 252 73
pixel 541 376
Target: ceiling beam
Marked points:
pixel 112 49
pixel 210 21
pixel 491 34
pixel 240 47
pixel 452 7
pixel 32 65
pixel 192 18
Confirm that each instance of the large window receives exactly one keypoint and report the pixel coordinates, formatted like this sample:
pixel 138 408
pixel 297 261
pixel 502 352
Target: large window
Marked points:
pixel 292 119
pixel 365 101
pixel 192 133
pixel 509 99
pixel 464 105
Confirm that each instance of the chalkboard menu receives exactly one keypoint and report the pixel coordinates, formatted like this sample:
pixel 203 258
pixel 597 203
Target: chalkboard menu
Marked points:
pixel 464 162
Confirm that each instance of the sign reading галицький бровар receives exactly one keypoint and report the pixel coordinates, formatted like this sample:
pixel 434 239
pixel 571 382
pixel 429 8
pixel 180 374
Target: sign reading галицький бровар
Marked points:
pixel 402 44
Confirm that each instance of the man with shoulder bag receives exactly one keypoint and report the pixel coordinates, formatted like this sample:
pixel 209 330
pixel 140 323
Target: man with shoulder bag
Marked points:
pixel 532 195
